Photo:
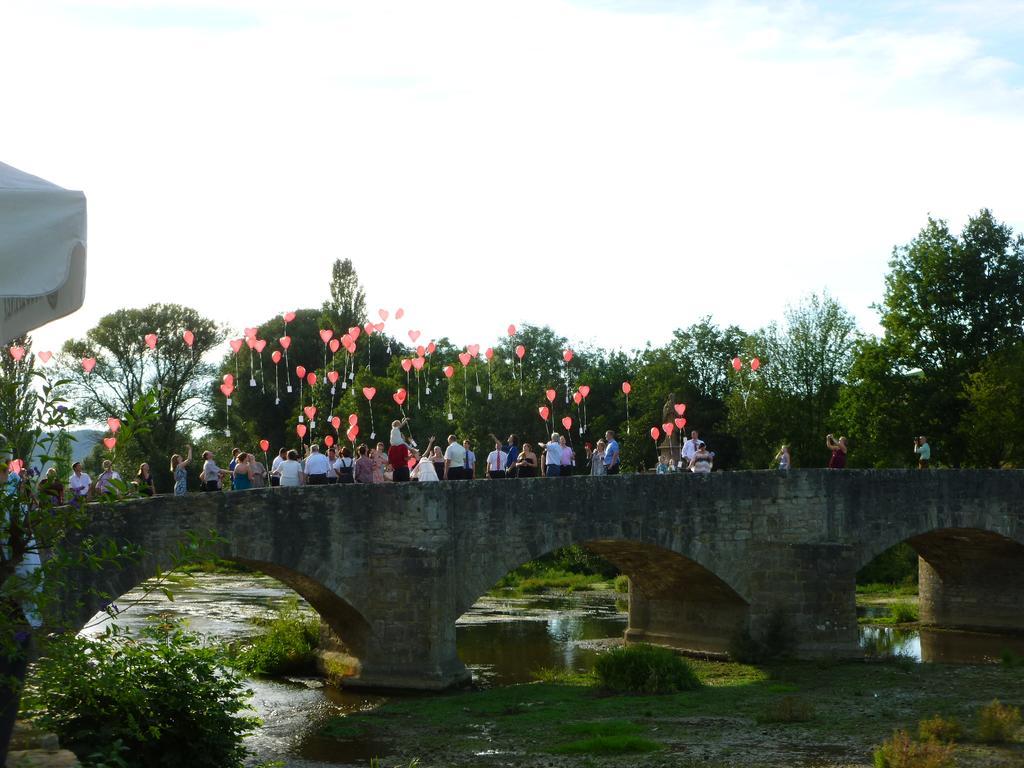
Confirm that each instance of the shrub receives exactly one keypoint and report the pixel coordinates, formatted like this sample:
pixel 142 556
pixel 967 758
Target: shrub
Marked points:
pixel 903 613
pixel 787 709
pixel 622 583
pixel 287 646
pixel 645 669
pixel 998 722
pixel 939 728
pixel 163 700
pixel 901 751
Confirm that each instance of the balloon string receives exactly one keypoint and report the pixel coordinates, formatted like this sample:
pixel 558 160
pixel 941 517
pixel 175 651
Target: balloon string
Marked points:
pixel 465 385
pixel 627 413
pixel 263 376
pixel 287 365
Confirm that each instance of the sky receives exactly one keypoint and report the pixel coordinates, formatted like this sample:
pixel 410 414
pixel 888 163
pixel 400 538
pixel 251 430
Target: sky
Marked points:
pixel 612 169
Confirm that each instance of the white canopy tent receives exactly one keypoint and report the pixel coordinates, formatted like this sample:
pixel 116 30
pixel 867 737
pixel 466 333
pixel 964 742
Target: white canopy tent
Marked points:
pixel 42 252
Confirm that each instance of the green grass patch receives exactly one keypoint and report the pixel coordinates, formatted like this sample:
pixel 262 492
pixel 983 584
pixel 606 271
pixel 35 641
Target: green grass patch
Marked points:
pixel 887 590
pixel 903 613
pixel 214 566
pixel 608 745
pixel 645 669
pixel 563 676
pixel 286 646
pixel 546 581
pixel 621 584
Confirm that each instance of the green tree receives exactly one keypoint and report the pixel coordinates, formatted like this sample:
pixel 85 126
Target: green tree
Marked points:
pixel 995 410
pixel 346 305
pixel 173 377
pixel 950 301
pixel 17 398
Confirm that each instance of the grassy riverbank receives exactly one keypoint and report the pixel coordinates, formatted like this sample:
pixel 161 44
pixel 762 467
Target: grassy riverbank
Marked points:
pixel 810 714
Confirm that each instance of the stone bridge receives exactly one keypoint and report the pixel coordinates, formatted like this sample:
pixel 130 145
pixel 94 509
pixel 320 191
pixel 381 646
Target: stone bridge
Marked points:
pixel 391 567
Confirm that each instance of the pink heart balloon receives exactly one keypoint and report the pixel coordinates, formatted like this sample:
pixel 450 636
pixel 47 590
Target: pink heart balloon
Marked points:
pixel 406 364
pixel 464 358
pixel 352 432
pixel 378 327
pixel 567 355
pixel 113 424
pixel 275 356
pixel 755 364
pixel 332 376
pixel 680 408
pixel 44 356
pixel 399 396
pixel 236 345
pixel 421 350
pixel 627 387
pixel 326 334
pixel 250 333
pixel 300 371
pixel 311 379
pixel 151 340
pixel 417 363
pixel 368 329
pixel 300 430
pixel 17 352
pixel 577 398
pixel 250 342
pixel 584 390
pixel 431 348
pixel 110 442
pixel 414 335
pixel 336 422
pixel 310 411
pixel 334 345
pixel 227 389
pixel 228 379
pixel 352 419
pixel 261 344
pixel 511 330
pixel 473 349
pixel 567 422
pixel 668 426
pixel 369 392
pixel 289 316
pixel 399 313
pixel 383 314
pixel 189 338
pixel 544 412
pixel 655 434
pixel 680 423
pixel 285 342
pixel 550 395
pixel 449 371
pixel 354 332
pixel 520 351
pixel 329 440
pixel 489 353
pixel 88 363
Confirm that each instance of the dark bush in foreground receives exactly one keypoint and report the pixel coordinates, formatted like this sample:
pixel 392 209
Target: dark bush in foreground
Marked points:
pixel 998 722
pixel 939 728
pixel 645 669
pixel 161 701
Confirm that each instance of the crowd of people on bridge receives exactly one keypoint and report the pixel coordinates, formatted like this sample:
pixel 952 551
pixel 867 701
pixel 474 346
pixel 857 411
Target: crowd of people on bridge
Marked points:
pixel 401 461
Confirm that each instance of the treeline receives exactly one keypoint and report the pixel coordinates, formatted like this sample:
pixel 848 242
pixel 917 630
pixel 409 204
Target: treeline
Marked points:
pixel 949 364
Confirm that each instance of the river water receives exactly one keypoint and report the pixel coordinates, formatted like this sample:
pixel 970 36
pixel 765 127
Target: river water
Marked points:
pixel 502 640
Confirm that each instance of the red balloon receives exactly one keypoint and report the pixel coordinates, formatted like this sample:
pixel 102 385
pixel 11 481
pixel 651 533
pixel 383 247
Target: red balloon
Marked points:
pixel 250 342
pixel 110 442
pixel 511 330
pixel 448 371
pixel 414 336
pixel 680 408
pixel 352 432
pixel 421 351
pixel 335 345
pixel 264 445
pixel 332 376
pixel 236 344
pixel 626 387
pixel 354 332
pixel 755 364
pixel 352 419
pixel 550 395
pixel 668 426
pixel 406 364
pixel 285 342
pixel 418 362
pixel 368 329
pixel 544 412
pixel 399 396
pixel 383 314
pixel 300 371
pixel 260 345
pixel 577 398
pixel 399 313
pixel 567 355
pixel 655 433
pixel 737 363
pixel 311 378
pixel 336 422
pixel 329 440
pixel 431 348
pixel 520 351
pixel 288 316
pixel 229 378
pixel 310 411
pixel 113 424
pixel 189 338
pixel 489 353
pixel 584 390
pixel 275 356
pixel 567 422
pixel 300 430
pixel 369 392
pixel 680 423
pixel 473 349
pixel 464 358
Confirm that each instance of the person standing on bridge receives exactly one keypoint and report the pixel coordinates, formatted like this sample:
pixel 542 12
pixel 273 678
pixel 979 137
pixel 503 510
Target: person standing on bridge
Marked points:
pixel 290 471
pixel 497 462
pixel 596 458
pixel 454 460
pixel 553 457
pixel 838 448
pixel 275 467
pixel 424 471
pixel 611 454
pixel 689 448
pixel 363 468
pixel 180 473
pixel 783 458
pixel 923 451
pixel 316 466
pixel 241 475
pixel 210 476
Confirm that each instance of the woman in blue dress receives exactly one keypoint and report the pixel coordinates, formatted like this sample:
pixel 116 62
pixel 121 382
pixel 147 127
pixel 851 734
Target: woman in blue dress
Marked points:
pixel 178 470
pixel 241 478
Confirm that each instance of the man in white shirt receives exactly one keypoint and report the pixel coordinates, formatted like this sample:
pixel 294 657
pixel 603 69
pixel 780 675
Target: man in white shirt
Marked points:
pixel 316 467
pixel 79 482
pixel 454 460
pixel 497 462
pixel 690 448
pixel 553 457
pixel 275 467
pixel 211 473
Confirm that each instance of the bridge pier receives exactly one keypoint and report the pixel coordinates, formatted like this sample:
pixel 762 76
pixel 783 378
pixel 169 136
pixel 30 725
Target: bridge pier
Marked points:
pixel 971 580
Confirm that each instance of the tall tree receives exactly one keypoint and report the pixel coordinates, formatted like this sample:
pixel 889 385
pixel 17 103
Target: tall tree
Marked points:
pixel 170 380
pixel 17 397
pixel 346 305
pixel 951 301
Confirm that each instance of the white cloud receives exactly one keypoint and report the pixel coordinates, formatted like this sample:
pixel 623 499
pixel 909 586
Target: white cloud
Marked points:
pixel 613 174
